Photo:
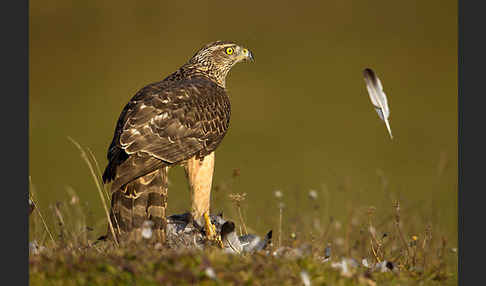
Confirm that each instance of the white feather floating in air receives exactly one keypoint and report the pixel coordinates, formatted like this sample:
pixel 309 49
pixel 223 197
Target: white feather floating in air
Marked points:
pixel 377 96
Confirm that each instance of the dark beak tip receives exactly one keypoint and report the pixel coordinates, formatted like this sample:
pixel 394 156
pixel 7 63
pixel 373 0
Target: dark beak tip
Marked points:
pixel 250 56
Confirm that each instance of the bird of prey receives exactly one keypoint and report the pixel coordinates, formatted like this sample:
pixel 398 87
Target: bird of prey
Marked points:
pixel 180 120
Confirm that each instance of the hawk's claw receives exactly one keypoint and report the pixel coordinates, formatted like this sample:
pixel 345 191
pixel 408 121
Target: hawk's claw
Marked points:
pixel 211 234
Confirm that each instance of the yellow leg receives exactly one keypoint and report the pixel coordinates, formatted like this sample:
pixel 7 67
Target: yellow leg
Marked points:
pixel 200 176
pixel 211 231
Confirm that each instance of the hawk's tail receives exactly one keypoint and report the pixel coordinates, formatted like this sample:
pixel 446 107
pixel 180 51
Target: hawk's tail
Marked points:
pixel 144 199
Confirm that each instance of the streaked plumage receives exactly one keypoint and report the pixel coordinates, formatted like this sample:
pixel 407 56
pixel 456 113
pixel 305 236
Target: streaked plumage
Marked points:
pixel 377 96
pixel 179 119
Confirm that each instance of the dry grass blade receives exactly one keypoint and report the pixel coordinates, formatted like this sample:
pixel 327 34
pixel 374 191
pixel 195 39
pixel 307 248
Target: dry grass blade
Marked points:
pixel 425 243
pixel 396 206
pixel 348 231
pixel 280 224
pixel 58 214
pixel 373 239
pixel 40 214
pixel 237 199
pixel 31 206
pixel 99 188
pixel 328 228
pixel 99 172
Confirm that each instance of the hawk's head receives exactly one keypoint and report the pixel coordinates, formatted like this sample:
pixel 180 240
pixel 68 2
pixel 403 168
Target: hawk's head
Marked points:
pixel 218 58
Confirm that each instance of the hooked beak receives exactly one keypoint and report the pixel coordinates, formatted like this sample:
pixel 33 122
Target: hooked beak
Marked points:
pixel 249 55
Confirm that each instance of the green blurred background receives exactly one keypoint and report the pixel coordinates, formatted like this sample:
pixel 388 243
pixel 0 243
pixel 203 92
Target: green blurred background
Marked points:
pixel 301 116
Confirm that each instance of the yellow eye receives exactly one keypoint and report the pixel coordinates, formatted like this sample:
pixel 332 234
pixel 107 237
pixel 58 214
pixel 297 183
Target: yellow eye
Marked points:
pixel 229 51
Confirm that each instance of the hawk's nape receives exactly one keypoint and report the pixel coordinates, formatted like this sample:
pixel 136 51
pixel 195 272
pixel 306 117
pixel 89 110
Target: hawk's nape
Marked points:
pixel 180 120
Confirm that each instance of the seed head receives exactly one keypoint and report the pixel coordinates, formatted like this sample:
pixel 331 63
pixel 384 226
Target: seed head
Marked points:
pixel 237 198
pixel 312 194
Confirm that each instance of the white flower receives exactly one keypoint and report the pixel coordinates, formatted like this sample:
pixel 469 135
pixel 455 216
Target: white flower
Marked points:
pixel 305 278
pixel 34 247
pixel 312 194
pixel 74 200
pixel 210 273
pixel 365 263
pixel 147 229
pixel 278 194
pixel 344 266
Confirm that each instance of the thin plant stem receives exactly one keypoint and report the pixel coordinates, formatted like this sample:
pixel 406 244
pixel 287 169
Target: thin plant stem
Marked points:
pixel 99 171
pixel 280 227
pixel 45 225
pixel 39 212
pixel 241 219
pixel 397 224
pixel 99 188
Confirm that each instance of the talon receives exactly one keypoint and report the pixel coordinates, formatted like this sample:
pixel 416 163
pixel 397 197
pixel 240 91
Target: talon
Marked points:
pixel 211 231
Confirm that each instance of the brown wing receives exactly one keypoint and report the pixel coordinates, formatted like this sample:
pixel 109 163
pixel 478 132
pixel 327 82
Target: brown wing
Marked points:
pixel 167 123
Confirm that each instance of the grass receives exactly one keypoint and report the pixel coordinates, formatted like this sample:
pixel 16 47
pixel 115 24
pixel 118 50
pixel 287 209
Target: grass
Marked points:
pixel 64 250
pixel 143 266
